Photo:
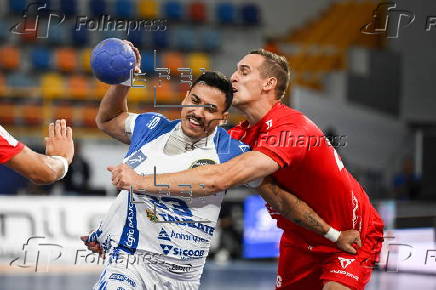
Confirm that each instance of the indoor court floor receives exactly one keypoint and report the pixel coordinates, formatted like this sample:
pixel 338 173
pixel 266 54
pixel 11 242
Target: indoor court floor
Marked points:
pixel 241 275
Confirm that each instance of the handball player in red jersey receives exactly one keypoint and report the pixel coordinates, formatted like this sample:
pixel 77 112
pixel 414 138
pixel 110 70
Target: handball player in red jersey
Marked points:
pixel 293 150
pixel 39 168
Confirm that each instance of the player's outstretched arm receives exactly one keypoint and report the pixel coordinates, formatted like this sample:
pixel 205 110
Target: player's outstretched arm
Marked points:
pixel 298 211
pixel 203 180
pixel 113 109
pixel 46 169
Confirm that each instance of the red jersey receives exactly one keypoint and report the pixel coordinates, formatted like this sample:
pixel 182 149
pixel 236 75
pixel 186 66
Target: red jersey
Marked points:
pixel 9 147
pixel 311 169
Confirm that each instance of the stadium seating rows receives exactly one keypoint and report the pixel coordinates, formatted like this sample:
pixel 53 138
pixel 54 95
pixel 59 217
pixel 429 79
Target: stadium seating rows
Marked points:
pixel 195 11
pixel 321 46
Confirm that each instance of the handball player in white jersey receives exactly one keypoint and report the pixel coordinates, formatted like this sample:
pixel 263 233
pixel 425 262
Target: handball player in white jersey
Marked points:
pixel 161 242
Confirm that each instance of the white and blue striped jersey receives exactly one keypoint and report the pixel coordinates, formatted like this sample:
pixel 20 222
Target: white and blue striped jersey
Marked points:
pixel 177 229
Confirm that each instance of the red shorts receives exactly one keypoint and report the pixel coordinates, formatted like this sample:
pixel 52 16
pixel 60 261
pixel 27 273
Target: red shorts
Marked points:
pixel 311 267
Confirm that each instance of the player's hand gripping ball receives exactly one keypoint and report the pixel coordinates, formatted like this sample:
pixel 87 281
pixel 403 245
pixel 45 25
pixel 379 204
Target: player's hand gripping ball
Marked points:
pixel 112 60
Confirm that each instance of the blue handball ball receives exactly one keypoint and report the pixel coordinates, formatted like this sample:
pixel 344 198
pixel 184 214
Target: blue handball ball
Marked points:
pixel 112 60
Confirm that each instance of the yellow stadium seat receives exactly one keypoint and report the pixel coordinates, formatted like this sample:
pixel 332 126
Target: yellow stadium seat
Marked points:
pixel 85 58
pixel 148 9
pixel 10 58
pixel 197 62
pixel 52 86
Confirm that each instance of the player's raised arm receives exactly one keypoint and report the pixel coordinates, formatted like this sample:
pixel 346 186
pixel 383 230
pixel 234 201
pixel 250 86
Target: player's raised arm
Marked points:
pixel 113 110
pixel 46 169
pixel 296 210
pixel 204 180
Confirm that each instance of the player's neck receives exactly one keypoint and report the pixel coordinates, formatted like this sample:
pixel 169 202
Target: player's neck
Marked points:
pixel 255 111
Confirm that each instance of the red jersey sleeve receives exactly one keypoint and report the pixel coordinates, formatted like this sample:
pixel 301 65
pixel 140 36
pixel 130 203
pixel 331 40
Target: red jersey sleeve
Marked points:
pixel 9 146
pixel 284 143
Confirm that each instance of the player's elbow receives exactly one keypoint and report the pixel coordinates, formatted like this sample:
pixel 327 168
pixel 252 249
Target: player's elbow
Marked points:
pixel 219 183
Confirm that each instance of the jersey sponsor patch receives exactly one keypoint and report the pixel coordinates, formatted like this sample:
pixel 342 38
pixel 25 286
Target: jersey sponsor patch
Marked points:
pixel 163 235
pixel 179 269
pixel 188 237
pixel 136 159
pixel 122 278
pixel 183 253
pixel 345 262
pixel 166 248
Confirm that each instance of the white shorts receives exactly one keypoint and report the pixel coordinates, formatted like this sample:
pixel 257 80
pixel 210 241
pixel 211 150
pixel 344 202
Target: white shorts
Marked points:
pixel 116 276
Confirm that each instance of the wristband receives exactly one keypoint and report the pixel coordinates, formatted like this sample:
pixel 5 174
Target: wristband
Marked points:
pixel 332 235
pixel 64 162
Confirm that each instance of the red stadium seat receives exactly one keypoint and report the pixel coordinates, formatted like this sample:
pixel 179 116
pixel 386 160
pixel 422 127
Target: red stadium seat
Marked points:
pixel 88 114
pixel 66 59
pixel 78 87
pixel 63 112
pixel 173 61
pixel 7 114
pixel 10 58
pixel 197 12
pixel 32 115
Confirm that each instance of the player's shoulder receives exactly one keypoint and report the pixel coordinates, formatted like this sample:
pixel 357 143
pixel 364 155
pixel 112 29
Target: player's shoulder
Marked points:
pixel 148 127
pixel 227 147
pixel 284 115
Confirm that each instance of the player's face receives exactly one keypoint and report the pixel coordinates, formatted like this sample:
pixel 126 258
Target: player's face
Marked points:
pixel 199 122
pixel 247 81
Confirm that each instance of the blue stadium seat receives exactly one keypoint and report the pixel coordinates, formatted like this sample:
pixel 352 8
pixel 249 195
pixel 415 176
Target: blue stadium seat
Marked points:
pixel 20 80
pixel 17 6
pixel 97 7
pixel 147 63
pixel 79 38
pixel 184 39
pixel 124 8
pixel 210 40
pixel 69 7
pixel 225 13
pixel 160 39
pixel 137 38
pixel 41 58
pixel 250 14
pixel 173 10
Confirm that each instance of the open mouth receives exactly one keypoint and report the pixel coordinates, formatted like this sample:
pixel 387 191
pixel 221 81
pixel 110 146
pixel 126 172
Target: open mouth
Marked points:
pixel 194 121
pixel 234 90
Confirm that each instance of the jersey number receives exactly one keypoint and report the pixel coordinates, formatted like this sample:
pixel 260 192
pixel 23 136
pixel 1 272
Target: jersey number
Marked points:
pixel 178 206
